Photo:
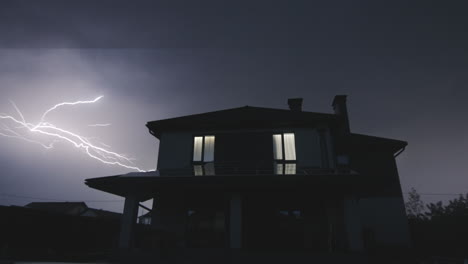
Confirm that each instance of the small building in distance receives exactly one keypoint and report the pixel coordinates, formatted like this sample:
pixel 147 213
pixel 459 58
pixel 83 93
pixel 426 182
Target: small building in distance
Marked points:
pixel 72 208
pixel 68 208
pixel 262 178
pixel 145 219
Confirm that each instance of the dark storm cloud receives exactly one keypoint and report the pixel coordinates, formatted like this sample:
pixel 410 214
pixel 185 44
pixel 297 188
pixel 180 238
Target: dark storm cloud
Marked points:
pixel 403 65
pixel 207 24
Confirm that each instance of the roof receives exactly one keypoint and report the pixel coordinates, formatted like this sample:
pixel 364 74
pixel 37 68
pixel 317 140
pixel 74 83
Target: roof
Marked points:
pixel 100 213
pixel 58 207
pixel 227 179
pixel 359 141
pixel 241 117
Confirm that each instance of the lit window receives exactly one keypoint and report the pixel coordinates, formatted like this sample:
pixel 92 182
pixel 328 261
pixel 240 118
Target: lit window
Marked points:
pixel 278 168
pixel 198 170
pixel 289 146
pixel 207 169
pixel 277 147
pixel 290 168
pixel 203 155
pixel 208 153
pixel 197 148
pixel 284 153
pixel 203 148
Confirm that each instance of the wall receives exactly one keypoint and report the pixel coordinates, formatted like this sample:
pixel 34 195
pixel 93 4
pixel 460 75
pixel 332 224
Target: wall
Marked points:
pixel 381 205
pixel 307 147
pixel 386 217
pixel 175 150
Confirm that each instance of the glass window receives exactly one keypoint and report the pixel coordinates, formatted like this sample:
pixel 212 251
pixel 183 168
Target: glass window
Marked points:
pixel 289 146
pixel 203 155
pixel 209 149
pixel 290 168
pixel 278 168
pixel 209 169
pixel 197 148
pixel 198 170
pixel 277 147
pixel 284 153
pixel 203 148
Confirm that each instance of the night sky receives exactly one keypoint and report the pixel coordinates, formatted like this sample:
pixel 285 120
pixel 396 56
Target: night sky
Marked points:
pixel 402 65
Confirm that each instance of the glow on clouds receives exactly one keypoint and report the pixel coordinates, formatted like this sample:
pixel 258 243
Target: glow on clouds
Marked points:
pixel 13 127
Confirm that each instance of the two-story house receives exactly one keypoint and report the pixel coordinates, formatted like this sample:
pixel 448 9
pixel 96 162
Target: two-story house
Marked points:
pixel 261 178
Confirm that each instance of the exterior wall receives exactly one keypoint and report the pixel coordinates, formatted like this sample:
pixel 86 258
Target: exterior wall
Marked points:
pixel 381 207
pixel 386 219
pixel 175 150
pixel 307 147
pixel 353 224
pixel 379 168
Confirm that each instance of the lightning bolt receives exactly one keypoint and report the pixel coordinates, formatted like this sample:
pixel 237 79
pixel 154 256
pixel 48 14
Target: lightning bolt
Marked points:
pixel 99 125
pixel 55 134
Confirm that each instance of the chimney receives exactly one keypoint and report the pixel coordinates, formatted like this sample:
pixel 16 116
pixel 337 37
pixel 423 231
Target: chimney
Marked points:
pixel 295 104
pixel 339 106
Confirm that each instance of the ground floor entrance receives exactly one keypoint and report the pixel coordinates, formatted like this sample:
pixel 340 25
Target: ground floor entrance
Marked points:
pixel 251 220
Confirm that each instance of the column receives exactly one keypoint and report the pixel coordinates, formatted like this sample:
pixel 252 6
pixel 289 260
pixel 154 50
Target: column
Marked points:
pixel 235 221
pixel 128 221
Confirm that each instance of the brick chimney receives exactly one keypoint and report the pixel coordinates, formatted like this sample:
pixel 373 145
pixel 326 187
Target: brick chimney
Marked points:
pixel 339 106
pixel 295 104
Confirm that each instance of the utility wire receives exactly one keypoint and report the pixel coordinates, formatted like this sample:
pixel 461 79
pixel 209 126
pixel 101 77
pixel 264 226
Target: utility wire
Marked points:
pixel 442 194
pixel 115 201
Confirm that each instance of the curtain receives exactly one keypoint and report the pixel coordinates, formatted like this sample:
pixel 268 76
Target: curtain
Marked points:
pixel 289 146
pixel 277 148
pixel 197 148
pixel 209 149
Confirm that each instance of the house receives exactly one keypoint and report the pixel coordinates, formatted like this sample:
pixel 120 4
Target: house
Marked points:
pixel 103 214
pixel 56 232
pixel 261 178
pixel 145 219
pixel 72 208
pixel 68 208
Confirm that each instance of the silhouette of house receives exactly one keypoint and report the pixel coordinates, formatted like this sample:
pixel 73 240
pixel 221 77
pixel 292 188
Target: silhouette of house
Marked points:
pixel 91 212
pixel 72 208
pixel 253 177
pixel 145 219
pixel 69 208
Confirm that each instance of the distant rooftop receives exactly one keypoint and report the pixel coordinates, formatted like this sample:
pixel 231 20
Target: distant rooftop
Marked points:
pixel 59 207
pixel 71 208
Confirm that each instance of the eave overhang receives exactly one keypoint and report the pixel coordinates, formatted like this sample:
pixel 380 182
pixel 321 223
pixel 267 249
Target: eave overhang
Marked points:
pixel 145 187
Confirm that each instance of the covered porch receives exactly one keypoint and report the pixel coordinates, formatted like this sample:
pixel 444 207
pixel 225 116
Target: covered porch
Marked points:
pixel 306 211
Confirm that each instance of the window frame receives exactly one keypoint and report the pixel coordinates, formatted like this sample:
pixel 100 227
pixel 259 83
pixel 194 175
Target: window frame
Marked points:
pixel 283 161
pixel 202 157
pixel 283 152
pixel 200 168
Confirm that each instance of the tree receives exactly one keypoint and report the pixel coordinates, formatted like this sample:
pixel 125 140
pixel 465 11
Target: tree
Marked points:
pixel 414 205
pixel 456 208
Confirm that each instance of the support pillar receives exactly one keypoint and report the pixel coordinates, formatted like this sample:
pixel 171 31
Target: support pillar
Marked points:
pixel 235 221
pixel 128 222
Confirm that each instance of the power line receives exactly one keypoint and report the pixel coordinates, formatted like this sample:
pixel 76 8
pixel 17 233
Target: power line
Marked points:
pixel 442 194
pixel 439 194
